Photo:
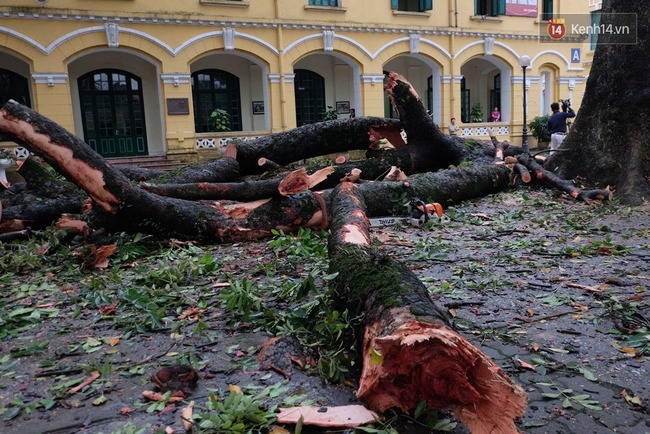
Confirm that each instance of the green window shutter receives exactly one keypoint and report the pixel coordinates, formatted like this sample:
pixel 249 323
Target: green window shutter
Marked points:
pixel 426 5
pixel 502 7
pixel 475 7
pixel 547 9
pixel 394 4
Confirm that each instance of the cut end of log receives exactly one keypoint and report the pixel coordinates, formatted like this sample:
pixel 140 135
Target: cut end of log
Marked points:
pixel 294 182
pixel 267 164
pixel 231 150
pixel 352 176
pixel 12 225
pixel 426 361
pixel 395 174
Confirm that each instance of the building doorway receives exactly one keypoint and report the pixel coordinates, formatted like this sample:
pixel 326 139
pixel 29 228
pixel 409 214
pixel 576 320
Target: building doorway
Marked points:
pixel 215 89
pixel 310 97
pixel 112 111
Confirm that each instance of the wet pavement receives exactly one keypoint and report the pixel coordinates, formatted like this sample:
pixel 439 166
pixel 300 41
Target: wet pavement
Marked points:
pixel 556 292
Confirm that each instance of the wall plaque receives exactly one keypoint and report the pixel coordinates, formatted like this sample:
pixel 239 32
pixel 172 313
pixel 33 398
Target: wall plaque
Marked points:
pixel 178 106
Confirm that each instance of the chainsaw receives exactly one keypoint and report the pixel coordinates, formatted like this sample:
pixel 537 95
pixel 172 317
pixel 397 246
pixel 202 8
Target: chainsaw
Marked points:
pixel 420 214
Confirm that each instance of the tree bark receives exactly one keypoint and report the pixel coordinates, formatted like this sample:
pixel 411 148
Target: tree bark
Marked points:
pixel 549 178
pixel 119 205
pixel 309 141
pixel 430 149
pixel 40 200
pixel 608 142
pixel 409 351
pixel 446 187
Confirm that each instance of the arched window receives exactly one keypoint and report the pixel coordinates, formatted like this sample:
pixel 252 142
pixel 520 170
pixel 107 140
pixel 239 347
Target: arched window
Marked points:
pixel 112 112
pixel 14 86
pixel 310 97
pixel 215 89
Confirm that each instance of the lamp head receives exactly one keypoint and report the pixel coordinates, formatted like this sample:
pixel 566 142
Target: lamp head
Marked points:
pixel 524 61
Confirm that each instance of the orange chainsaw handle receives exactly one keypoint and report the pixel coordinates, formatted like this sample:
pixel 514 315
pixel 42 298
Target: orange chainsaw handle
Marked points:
pixel 432 208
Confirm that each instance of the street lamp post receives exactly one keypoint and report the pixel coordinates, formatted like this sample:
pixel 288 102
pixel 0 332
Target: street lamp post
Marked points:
pixel 524 62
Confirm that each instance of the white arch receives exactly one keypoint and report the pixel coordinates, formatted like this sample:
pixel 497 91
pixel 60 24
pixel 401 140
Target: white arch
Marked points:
pixel 146 67
pixel 407 39
pixel 23 38
pixel 208 35
pixel 144 35
pixel 304 39
pixel 557 53
pixel 506 47
pixel 356 100
pixel 439 47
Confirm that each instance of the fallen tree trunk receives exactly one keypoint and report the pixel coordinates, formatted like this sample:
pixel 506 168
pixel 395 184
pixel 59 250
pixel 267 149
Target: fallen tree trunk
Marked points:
pixel 246 191
pixel 311 140
pixel 409 351
pixel 40 200
pixel 119 205
pixel 446 187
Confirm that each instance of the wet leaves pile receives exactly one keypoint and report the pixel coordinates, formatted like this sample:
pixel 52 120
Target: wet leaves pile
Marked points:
pixel 555 291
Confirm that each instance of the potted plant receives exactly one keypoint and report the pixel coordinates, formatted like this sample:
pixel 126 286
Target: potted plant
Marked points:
pixel 330 114
pixel 220 120
pixel 538 130
pixel 476 113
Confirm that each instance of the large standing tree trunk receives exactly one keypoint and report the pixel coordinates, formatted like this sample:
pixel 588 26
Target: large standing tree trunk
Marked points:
pixel 608 143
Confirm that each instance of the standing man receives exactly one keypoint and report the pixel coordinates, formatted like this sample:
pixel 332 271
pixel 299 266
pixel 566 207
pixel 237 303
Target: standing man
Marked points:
pixel 556 123
pixel 453 128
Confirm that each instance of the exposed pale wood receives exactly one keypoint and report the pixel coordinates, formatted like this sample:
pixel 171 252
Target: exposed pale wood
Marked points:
pixel 267 164
pixel 523 173
pixel 409 351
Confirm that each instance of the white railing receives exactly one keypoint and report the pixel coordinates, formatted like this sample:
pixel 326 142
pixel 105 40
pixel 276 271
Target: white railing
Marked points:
pixel 481 129
pixel 219 141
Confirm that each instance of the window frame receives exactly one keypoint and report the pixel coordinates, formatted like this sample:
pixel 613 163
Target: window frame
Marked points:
pixel 489 8
pixel 319 3
pixel 422 6
pixel 547 10
pixel 231 92
pixel 17 88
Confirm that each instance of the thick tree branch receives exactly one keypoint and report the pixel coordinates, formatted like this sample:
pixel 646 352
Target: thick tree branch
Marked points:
pixel 409 352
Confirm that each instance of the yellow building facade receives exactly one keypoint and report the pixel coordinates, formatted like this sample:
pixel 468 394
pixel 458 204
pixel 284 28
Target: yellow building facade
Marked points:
pixel 134 79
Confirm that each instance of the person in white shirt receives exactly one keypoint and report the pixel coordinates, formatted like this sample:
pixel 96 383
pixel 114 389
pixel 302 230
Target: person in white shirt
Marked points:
pixel 452 127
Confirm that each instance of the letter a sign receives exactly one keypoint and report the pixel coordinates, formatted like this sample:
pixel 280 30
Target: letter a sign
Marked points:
pixel 556 28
